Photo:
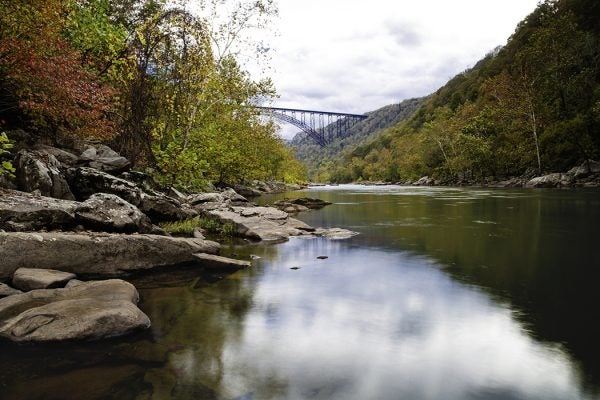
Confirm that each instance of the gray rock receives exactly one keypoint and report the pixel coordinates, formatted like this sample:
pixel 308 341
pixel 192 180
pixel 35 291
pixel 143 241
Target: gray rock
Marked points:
pixel 233 196
pixel 335 233
pixel 162 208
pixel 550 181
pixel 198 233
pixel 88 311
pixel 20 212
pixel 247 191
pixel 6 290
pixel 63 156
pixel 213 261
pixel 96 254
pixel 310 202
pixel 143 181
pixel 201 198
pixel 262 223
pixel 35 278
pixel 177 195
pixel 84 182
pixel 110 213
pixel 25 212
pixel 40 171
pixel 289 207
pixel 585 169
pixel 424 181
pixel 73 283
pixel 103 158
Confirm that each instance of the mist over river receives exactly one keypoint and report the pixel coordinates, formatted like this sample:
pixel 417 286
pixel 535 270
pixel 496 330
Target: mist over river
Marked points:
pixel 446 293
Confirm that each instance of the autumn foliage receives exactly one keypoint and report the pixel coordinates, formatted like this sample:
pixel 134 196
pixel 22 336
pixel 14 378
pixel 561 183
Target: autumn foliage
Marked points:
pixel 43 79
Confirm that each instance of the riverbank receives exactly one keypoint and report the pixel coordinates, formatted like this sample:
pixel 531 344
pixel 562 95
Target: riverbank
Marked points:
pixel 71 220
pixel 586 175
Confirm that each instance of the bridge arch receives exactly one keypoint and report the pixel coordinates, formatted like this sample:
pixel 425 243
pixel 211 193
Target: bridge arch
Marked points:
pixel 321 126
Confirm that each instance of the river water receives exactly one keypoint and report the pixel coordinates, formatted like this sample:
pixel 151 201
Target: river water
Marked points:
pixel 445 294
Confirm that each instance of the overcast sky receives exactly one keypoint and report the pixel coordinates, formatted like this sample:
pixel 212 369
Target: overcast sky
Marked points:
pixel 359 55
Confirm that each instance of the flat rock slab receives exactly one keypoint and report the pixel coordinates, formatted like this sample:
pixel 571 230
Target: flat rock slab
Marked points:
pixel 6 290
pixel 96 254
pixel 213 261
pixel 34 278
pixel 21 212
pixel 262 223
pixel 88 311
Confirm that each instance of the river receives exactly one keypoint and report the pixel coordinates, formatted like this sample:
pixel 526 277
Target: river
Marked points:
pixel 446 293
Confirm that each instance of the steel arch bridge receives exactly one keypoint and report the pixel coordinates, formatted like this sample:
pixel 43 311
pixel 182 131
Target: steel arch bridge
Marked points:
pixel 321 126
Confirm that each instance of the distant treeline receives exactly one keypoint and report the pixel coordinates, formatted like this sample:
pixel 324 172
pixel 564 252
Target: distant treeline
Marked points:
pixel 533 104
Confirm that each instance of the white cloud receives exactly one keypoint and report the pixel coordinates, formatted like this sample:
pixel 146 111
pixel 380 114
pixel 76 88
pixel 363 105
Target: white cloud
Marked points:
pixel 357 56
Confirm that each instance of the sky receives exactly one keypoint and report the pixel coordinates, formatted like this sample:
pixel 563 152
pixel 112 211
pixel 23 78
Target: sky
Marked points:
pixel 357 56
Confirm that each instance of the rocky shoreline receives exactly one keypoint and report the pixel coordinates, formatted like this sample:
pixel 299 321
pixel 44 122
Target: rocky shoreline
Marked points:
pixel 586 175
pixel 74 224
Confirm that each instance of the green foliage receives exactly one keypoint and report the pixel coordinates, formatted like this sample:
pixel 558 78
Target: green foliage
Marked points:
pixel 163 84
pixel 531 104
pixel 5 146
pixel 210 225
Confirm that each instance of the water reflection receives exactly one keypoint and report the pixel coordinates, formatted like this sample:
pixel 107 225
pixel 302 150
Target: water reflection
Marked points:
pixel 446 294
pixel 386 325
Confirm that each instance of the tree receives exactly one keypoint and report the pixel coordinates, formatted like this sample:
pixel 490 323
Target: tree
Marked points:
pixel 42 80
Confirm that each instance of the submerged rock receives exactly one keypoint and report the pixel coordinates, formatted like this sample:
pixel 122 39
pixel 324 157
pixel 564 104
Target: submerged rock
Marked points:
pixel 35 278
pixel 288 207
pixel 87 311
pixel 335 233
pixel 97 254
pixel 310 202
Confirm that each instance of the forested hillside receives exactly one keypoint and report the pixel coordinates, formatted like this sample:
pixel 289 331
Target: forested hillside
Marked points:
pixel 318 160
pixel 533 104
pixel 159 83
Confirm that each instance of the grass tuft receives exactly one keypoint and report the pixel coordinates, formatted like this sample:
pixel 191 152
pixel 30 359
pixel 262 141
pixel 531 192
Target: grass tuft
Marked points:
pixel 210 225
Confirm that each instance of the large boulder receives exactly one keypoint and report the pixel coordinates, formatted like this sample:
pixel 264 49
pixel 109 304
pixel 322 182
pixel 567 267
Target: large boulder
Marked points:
pixel 105 255
pixel 87 311
pixel 21 212
pixel 110 213
pixel 161 208
pixel 85 182
pixel 25 212
pixel 104 158
pixel 247 191
pixel 204 202
pixel 41 171
pixel 35 278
